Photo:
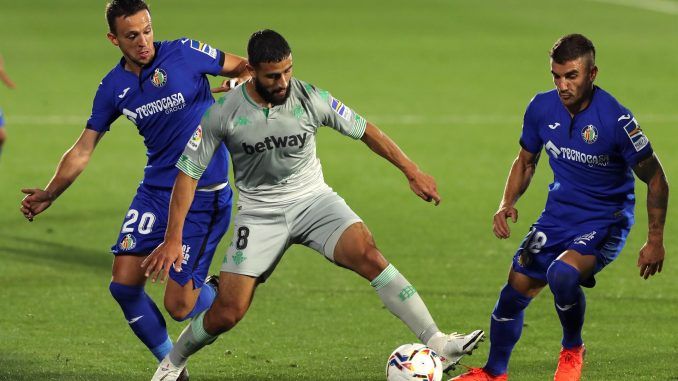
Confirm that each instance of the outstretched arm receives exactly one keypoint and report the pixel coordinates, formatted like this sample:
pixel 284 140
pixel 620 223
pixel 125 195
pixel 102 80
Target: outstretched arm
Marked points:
pixel 169 252
pixel 422 184
pixel 651 257
pixel 235 68
pixel 71 165
pixel 518 181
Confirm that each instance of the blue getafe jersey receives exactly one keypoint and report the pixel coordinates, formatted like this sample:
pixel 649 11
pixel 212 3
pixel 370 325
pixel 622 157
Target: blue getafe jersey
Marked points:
pixel 591 156
pixel 165 103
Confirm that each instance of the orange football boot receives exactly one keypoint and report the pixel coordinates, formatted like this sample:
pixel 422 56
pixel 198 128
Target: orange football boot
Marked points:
pixel 479 374
pixel 570 363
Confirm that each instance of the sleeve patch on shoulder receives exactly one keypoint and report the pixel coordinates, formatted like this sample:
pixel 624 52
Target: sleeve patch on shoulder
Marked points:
pixel 194 143
pixel 341 109
pixel 204 48
pixel 635 133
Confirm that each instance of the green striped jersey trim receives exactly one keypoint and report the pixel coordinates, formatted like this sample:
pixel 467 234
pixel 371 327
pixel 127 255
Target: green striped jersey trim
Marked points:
pixel 385 277
pixel 359 127
pixel 188 167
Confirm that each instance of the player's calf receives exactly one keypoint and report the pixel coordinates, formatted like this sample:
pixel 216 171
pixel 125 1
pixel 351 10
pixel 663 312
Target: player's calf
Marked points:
pixel 183 302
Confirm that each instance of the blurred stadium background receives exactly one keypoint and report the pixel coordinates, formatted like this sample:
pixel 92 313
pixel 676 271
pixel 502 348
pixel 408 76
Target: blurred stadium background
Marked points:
pixel 447 79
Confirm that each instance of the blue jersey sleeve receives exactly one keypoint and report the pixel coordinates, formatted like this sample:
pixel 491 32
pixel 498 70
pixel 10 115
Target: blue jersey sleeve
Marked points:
pixel 530 139
pixel 202 57
pixel 104 112
pixel 631 140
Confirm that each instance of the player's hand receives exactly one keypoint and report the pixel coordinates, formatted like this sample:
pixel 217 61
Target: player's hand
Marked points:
pixel 227 85
pixel 35 202
pixel 500 225
pixel 650 259
pixel 424 186
pixel 158 263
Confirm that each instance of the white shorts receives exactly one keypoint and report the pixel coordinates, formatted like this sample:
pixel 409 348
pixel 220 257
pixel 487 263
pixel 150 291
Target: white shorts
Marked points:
pixel 262 233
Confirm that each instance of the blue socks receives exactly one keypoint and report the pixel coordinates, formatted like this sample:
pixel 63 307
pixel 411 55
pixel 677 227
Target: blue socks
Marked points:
pixel 506 325
pixel 204 301
pixel 143 317
pixel 570 301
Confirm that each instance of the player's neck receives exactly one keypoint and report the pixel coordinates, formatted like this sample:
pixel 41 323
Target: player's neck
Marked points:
pixel 581 105
pixel 132 67
pixel 254 94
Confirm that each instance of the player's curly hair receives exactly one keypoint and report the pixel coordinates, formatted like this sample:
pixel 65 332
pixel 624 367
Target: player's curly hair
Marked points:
pixel 267 46
pixel 571 47
pixel 124 8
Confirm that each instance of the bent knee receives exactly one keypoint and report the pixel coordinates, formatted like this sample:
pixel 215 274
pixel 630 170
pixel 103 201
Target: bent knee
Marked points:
pixel 178 309
pixel 561 274
pixel 228 317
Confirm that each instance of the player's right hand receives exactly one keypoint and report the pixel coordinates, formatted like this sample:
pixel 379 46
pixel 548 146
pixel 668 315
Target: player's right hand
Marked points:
pixel 35 202
pixel 500 225
pixel 158 263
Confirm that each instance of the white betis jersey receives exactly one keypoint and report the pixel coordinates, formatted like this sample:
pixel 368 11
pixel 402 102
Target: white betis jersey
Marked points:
pixel 273 150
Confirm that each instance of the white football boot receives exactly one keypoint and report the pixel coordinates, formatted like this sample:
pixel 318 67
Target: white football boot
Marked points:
pixel 451 348
pixel 167 371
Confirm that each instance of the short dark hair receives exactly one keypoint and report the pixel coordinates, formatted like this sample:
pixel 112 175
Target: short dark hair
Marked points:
pixel 124 8
pixel 571 47
pixel 267 46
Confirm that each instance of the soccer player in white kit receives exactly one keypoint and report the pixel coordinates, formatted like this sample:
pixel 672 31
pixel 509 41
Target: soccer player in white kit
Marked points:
pixel 269 125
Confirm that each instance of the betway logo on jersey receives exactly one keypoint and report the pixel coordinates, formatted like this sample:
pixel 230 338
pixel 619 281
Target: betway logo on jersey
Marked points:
pixel 574 155
pixel 170 104
pixel 273 142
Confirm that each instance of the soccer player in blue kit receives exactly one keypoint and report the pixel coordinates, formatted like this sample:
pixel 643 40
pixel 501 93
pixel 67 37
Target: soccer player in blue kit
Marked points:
pixel 162 88
pixel 594 146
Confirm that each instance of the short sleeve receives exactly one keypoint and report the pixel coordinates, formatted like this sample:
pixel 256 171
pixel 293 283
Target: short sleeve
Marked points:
pixel 529 138
pixel 631 139
pixel 333 113
pixel 202 57
pixel 202 144
pixel 104 112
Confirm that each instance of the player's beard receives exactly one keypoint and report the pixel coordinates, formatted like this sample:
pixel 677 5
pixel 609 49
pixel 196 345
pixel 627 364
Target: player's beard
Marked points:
pixel 269 96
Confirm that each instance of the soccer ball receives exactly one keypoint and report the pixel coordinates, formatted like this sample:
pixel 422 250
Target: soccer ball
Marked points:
pixel 414 362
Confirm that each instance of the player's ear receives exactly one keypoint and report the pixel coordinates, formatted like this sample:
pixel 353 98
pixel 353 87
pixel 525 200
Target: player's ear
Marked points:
pixel 594 73
pixel 250 69
pixel 111 37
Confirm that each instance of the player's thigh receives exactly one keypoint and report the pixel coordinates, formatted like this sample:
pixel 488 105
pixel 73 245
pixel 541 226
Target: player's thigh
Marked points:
pixel 143 227
pixel 320 221
pixel 591 249
pixel 206 223
pixel 260 238
pixel 127 270
pixel 524 284
pixel 142 230
pixel 3 135
pixel 540 247
pixel 585 264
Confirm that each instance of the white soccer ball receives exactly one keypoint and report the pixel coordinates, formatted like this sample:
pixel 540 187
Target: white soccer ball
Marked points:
pixel 414 362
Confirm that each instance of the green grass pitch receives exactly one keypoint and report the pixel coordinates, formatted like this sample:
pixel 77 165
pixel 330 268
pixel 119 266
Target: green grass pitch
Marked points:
pixel 447 79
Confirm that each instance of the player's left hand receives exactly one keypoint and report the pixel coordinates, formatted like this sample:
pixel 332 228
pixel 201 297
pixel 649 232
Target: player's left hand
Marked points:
pixel 158 263
pixel 424 186
pixel 650 259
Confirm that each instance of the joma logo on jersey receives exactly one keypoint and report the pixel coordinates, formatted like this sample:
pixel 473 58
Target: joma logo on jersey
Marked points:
pixel 273 142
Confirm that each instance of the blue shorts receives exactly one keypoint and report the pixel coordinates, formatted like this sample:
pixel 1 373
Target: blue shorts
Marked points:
pixel 2 119
pixel 144 226
pixel 543 244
